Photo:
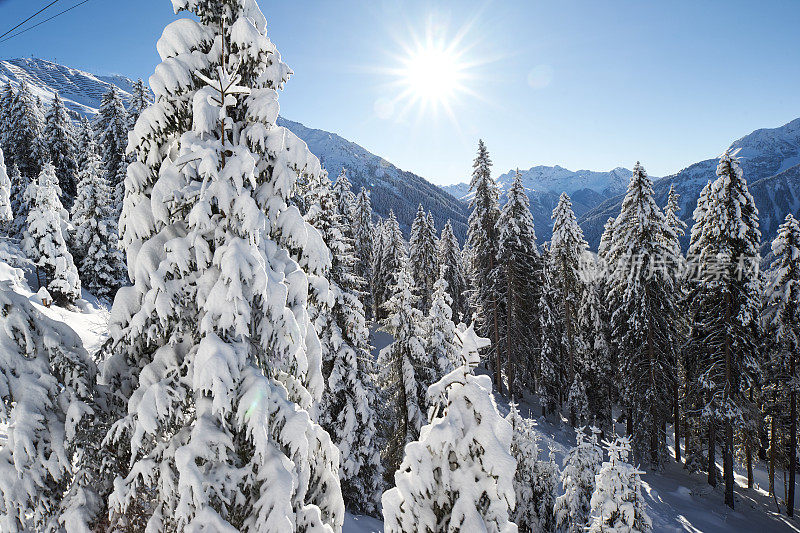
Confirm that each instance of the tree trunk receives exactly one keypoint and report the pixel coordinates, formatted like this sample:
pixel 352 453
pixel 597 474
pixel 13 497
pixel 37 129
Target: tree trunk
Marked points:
pixel 727 463
pixel 629 423
pixel 510 370
pixel 498 373
pixel 676 422
pixel 654 428
pixel 792 439
pixel 772 444
pixel 712 451
pixel 749 461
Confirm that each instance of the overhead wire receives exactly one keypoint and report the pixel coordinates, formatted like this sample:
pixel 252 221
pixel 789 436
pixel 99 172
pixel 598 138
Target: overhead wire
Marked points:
pixel 42 22
pixel 29 18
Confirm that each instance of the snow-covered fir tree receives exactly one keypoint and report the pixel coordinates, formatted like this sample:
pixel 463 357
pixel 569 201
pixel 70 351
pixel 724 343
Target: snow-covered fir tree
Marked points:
pixel 47 399
pixel 405 370
pixel 441 344
pixel 140 99
pixel 599 372
pixel 348 410
pixel 617 503
pixel 59 140
pixel 451 259
pixel 111 131
pixel 43 240
pixel 19 200
pixel 567 258
pixel 26 146
pixel 213 350
pixel 459 474
pixel 6 100
pixel 534 480
pixel 393 259
pixel 725 306
pixel 577 400
pixel 424 258
pixel 482 239
pixel 6 214
pixel 644 323
pixel 581 464
pixel 783 313
pixel 345 201
pixel 363 245
pixel 551 380
pixel 517 261
pixel 95 240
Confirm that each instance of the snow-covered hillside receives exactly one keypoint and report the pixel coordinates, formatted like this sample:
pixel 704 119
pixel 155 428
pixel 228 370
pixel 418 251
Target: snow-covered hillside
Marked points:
pixel 766 154
pixel 391 187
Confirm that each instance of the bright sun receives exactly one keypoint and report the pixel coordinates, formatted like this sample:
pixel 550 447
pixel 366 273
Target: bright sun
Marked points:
pixel 434 75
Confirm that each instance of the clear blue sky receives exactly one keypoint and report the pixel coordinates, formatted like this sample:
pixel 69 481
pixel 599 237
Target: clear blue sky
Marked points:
pixel 582 84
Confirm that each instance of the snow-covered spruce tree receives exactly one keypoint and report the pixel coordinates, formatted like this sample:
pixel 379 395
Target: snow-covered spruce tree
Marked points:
pixel 726 306
pixel 392 260
pixel 783 310
pixel 459 474
pixel 678 272
pixel 551 383
pixel 599 371
pixel 645 323
pixel 424 258
pixel 47 393
pixel 441 344
pixel 6 100
pixel 111 131
pixel 577 401
pixel 450 258
pixel 59 140
pixel 534 480
pixel 43 241
pixel 405 370
pixel 140 99
pixel 482 239
pixel 581 464
pixel 101 266
pixel 348 410
pixel 617 503
pixel 345 201
pixel 517 258
pixel 567 249
pixel 26 147
pixel 212 347
pixel 6 215
pixel 19 200
pixel 84 136
pixel 363 245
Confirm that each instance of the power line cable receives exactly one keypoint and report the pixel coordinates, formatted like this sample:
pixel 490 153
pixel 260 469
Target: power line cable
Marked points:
pixel 42 22
pixel 29 18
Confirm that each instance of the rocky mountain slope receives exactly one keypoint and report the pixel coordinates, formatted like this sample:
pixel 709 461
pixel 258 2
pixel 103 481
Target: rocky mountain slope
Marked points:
pixel 391 187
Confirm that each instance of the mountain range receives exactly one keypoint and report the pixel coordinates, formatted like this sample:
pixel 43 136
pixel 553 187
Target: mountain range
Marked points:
pixel 391 188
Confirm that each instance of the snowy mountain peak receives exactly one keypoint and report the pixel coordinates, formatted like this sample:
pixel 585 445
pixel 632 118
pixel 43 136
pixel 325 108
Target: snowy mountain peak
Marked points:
pixel 80 90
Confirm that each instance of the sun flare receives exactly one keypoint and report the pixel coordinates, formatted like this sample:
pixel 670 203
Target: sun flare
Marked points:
pixel 434 75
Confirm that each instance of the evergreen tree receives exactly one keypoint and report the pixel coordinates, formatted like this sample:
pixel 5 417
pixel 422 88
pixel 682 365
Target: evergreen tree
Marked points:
pixel 577 401
pixel 392 260
pixel 599 373
pixel 567 249
pixel 726 306
pixel 617 503
pixel 783 310
pixel 482 239
pixel 111 129
pixel 363 245
pixel 6 215
pixel 581 464
pixel 19 200
pixel 552 372
pixel 645 321
pixel 459 474
pixel 213 351
pixel 516 261
pixel 59 139
pixel 6 127
pixel 345 202
pixel 451 260
pixel 406 370
pixel 44 242
pixel 84 137
pixel 26 146
pixel 48 398
pixel 424 260
pixel 441 345
pixel 140 99
pixel 96 240
pixel 534 481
